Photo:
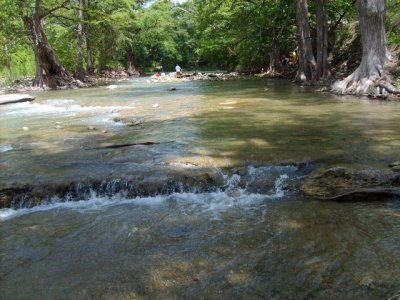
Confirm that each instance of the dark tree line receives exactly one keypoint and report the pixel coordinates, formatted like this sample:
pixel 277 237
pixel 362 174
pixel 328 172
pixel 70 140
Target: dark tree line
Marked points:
pixel 76 39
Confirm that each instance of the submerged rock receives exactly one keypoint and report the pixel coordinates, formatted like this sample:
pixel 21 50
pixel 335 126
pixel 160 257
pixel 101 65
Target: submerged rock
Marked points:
pixel 348 184
pixel 133 123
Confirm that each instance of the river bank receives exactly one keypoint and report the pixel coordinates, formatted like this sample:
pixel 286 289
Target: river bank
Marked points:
pixel 27 84
pixel 381 91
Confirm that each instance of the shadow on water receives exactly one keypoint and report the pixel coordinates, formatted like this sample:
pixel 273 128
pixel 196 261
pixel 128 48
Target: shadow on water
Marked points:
pixel 232 124
pixel 185 247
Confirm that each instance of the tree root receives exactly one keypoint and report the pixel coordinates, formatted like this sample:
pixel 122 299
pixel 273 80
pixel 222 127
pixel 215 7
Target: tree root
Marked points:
pixel 373 87
pixel 355 84
pixel 389 87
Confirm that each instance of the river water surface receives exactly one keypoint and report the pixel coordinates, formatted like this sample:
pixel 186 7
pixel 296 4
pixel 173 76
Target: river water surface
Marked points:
pixel 234 242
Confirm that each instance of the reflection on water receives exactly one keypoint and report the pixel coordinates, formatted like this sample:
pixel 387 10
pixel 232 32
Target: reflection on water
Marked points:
pixel 228 244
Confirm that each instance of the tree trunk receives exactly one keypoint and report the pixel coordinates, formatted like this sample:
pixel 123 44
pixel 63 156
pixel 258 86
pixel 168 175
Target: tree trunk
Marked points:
pixel 273 57
pixel 374 50
pixel 80 73
pixel 89 55
pixel 49 71
pixel 7 57
pixel 322 42
pixel 131 70
pixel 307 62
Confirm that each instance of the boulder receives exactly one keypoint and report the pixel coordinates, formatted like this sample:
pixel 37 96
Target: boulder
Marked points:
pixel 350 184
pixel 15 98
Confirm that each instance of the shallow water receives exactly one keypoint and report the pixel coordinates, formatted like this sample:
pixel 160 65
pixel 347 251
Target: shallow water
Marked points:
pixel 209 123
pixel 209 246
pixel 236 242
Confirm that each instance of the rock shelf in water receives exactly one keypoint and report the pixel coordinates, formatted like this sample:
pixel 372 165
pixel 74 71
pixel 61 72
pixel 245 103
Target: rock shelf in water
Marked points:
pixel 15 98
pixel 343 184
pixel 153 181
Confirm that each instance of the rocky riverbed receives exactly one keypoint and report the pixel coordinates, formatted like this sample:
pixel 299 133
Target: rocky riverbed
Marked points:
pixel 26 84
pixel 174 77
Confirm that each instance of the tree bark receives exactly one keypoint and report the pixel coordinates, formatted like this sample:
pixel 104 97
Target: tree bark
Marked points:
pixel 131 69
pixel 374 51
pixel 273 57
pixel 322 42
pixel 7 58
pixel 306 57
pixel 89 55
pixel 80 73
pixel 49 71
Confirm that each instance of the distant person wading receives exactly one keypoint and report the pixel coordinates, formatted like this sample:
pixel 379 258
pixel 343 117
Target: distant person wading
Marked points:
pixel 178 70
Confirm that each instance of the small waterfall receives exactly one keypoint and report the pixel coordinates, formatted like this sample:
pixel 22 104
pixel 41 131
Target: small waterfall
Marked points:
pixel 271 181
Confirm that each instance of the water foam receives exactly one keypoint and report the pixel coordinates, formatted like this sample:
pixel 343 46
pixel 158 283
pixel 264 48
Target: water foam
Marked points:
pixel 6 148
pixel 66 107
pixel 231 195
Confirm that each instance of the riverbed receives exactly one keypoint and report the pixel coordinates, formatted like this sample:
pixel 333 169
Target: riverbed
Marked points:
pixel 252 235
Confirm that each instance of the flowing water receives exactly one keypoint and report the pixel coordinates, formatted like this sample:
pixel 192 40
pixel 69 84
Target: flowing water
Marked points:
pixel 251 236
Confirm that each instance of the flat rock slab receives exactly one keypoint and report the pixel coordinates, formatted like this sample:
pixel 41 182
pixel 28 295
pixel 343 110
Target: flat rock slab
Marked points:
pixel 15 98
pixel 344 184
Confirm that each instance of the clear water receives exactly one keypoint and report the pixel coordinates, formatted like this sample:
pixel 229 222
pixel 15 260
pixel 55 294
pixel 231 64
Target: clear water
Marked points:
pixel 234 244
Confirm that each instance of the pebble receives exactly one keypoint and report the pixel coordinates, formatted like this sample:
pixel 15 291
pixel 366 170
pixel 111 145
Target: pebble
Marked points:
pixel 156 105
pixel 117 119
pixel 133 123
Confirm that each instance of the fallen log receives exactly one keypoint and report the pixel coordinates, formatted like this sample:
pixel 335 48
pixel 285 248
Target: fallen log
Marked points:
pixel 133 144
pixel 15 98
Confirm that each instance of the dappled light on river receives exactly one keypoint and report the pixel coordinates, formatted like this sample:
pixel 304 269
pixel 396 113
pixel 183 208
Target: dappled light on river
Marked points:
pixel 209 209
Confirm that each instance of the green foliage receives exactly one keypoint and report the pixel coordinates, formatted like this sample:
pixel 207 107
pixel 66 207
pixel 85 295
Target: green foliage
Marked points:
pixel 240 32
pixel 227 34
pixel 16 56
pixel 393 22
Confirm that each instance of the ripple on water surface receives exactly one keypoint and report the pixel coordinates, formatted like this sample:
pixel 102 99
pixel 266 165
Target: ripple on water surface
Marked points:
pixel 202 246
pixel 227 244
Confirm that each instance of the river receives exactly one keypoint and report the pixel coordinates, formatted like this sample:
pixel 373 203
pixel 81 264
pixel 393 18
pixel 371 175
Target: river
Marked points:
pixel 250 236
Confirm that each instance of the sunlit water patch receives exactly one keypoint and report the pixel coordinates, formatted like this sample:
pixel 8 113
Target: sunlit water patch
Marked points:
pixel 253 236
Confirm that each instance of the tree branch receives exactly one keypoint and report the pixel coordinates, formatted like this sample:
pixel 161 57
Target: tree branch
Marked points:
pixel 340 19
pixel 50 11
